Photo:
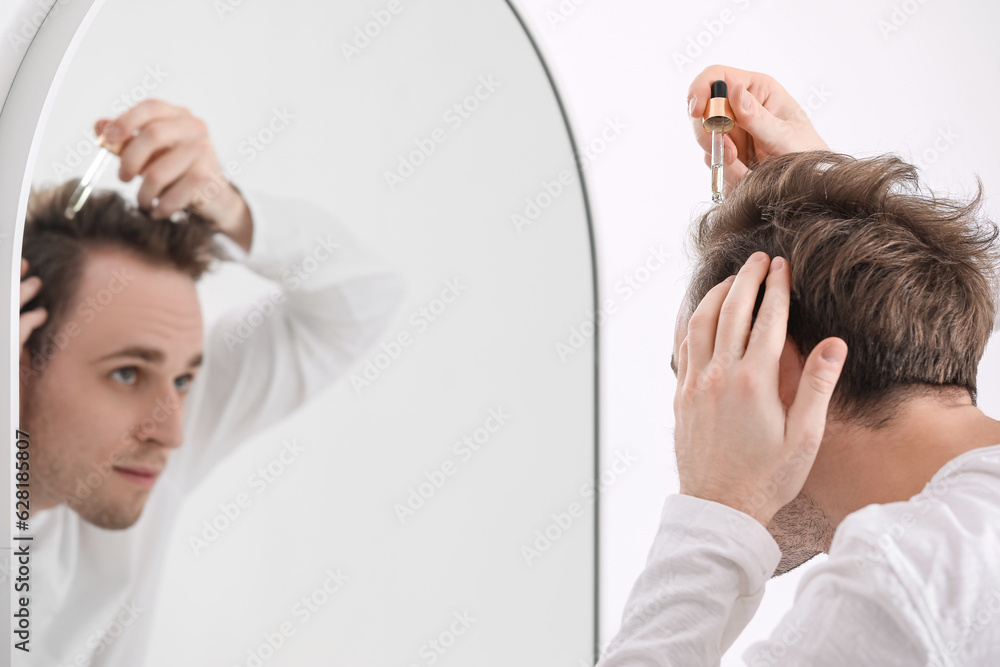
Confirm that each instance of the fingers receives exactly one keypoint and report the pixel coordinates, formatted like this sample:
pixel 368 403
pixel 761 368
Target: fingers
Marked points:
pixel 700 89
pixel 682 361
pixel 770 329
pixel 751 115
pixel 702 328
pixel 165 170
pixel 734 173
pixel 769 122
pixel 29 288
pixel 30 321
pixel 737 310
pixel 139 115
pixel 177 196
pixel 155 137
pixel 807 415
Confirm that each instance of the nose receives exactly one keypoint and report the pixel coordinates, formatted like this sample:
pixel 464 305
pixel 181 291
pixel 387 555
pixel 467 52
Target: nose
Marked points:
pixel 164 421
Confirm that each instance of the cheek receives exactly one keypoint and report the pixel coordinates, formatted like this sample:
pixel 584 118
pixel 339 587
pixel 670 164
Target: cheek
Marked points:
pixel 77 417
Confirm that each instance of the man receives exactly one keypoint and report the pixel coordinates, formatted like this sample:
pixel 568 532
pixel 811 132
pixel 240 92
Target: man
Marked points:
pixel 127 404
pixel 826 361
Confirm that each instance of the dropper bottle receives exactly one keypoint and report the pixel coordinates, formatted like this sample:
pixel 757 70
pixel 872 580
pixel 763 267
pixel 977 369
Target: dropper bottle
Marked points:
pixel 105 155
pixel 718 120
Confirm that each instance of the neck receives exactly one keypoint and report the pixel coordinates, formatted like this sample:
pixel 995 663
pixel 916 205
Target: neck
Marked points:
pixel 858 466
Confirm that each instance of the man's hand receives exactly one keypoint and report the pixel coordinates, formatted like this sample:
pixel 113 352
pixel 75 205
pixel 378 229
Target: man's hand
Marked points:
pixel 736 443
pixel 769 123
pixel 172 152
pixel 32 319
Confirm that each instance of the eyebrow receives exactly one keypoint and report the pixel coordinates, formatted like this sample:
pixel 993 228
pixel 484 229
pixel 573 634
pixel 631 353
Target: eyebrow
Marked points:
pixel 673 365
pixel 148 354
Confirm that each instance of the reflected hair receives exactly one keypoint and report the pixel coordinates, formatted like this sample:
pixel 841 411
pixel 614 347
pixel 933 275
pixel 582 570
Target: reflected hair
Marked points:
pixel 907 279
pixel 56 247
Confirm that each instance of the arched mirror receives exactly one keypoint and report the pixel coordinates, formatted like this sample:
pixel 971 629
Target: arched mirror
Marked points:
pixel 387 452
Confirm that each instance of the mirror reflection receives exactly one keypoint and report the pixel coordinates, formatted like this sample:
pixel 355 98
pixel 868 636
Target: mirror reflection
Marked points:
pixel 302 366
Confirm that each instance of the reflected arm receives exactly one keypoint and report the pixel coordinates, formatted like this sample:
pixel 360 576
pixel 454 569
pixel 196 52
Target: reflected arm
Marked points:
pixel 330 302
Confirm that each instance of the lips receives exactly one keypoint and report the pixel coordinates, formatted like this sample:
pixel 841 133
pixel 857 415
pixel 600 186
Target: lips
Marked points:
pixel 141 475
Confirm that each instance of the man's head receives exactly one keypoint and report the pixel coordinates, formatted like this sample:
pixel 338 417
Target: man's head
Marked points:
pixel 102 381
pixel 907 280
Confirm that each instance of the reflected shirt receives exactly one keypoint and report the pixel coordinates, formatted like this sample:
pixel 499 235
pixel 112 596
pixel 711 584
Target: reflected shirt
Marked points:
pixel 910 583
pixel 94 590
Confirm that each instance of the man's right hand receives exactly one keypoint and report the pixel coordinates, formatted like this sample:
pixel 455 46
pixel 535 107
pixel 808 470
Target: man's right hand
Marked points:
pixel 769 122
pixel 32 319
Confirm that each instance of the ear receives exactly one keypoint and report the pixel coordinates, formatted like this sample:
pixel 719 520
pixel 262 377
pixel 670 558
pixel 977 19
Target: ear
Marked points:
pixel 790 367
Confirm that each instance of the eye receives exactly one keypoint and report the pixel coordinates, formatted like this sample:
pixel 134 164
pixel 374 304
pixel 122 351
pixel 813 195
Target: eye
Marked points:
pixel 126 375
pixel 183 383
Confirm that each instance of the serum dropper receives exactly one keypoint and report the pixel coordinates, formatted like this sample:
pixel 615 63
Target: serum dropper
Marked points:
pixel 718 120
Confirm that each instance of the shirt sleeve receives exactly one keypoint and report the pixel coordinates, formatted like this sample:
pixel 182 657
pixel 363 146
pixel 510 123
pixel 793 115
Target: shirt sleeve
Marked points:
pixel 703 581
pixel 705 578
pixel 331 301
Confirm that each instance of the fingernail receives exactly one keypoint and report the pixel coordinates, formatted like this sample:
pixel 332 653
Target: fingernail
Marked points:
pixel 746 101
pixel 757 257
pixel 112 131
pixel 777 264
pixel 691 101
pixel 834 354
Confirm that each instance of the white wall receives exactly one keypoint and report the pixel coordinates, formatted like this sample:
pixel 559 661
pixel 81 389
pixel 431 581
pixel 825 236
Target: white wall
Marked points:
pixel 870 92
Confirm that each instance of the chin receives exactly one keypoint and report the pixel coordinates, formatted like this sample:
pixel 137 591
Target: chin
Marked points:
pixel 111 515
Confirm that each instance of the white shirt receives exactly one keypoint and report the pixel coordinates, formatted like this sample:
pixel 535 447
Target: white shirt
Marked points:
pixel 93 590
pixel 909 583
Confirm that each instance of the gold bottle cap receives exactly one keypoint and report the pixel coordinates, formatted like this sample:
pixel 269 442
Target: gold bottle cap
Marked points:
pixel 115 148
pixel 719 116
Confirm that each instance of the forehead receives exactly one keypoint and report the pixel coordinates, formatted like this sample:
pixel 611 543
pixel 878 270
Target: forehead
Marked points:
pixel 123 300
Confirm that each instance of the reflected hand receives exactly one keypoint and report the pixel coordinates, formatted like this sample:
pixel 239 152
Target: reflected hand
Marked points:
pixel 32 319
pixel 173 153
pixel 769 122
pixel 736 443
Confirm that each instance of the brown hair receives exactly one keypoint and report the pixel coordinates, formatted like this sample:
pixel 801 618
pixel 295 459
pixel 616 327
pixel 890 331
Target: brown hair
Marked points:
pixel 907 279
pixel 56 246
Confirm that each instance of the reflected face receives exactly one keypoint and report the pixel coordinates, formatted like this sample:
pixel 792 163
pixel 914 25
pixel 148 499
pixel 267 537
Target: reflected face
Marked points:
pixel 106 411
pixel 800 528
